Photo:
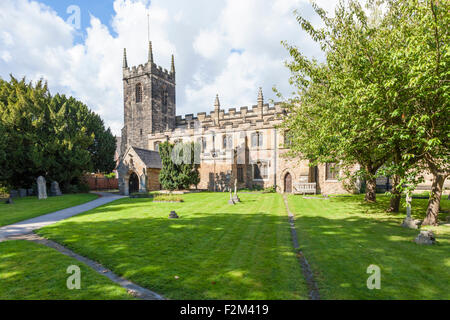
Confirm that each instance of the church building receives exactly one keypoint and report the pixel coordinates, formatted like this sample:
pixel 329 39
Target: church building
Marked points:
pixel 237 145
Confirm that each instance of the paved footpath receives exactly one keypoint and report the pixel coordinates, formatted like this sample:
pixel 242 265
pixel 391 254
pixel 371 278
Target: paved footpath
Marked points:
pixel 28 226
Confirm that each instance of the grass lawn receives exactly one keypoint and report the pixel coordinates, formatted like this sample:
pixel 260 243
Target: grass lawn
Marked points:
pixel 30 271
pixel 341 237
pixel 30 207
pixel 214 251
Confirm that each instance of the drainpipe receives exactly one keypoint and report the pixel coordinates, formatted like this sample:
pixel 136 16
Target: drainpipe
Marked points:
pixel 275 159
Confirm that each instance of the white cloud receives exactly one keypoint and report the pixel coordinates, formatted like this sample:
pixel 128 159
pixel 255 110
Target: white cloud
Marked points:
pixel 228 47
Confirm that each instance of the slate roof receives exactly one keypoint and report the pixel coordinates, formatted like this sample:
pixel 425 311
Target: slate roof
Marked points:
pixel 150 158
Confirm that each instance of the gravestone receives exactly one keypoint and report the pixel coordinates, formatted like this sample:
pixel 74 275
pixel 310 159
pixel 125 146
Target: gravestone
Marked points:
pixel 231 199
pixel 409 222
pixel 55 191
pixel 30 192
pixel 9 201
pixel 235 196
pixel 173 215
pixel 42 188
pixel 425 237
pixel 22 193
pixel 13 194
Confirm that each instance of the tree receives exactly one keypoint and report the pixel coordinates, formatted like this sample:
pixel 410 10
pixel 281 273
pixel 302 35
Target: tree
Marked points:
pixel 381 97
pixel 57 137
pixel 342 111
pixel 426 56
pixel 179 165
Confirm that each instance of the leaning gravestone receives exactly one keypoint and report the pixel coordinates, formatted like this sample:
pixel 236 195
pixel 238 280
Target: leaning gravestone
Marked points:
pixel 231 201
pixel 235 196
pixel 22 193
pixel 55 191
pixel 42 188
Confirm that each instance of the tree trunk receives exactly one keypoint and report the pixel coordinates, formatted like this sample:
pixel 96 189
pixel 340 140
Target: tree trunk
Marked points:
pixel 435 200
pixel 371 188
pixel 396 196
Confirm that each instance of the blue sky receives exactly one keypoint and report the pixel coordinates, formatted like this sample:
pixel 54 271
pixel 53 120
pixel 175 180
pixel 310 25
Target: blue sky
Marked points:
pixel 227 47
pixel 102 9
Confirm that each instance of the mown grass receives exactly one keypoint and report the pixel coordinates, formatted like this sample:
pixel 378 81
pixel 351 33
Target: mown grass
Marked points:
pixel 31 207
pixel 30 271
pixel 214 251
pixel 341 237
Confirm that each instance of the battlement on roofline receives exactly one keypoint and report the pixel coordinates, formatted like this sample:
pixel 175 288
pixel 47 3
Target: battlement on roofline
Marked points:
pixel 147 68
pixel 233 117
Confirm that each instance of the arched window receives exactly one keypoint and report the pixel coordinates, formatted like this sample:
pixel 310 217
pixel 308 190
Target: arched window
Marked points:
pixel 138 93
pixel 165 99
pixel 257 139
pixel 156 146
pixel 202 142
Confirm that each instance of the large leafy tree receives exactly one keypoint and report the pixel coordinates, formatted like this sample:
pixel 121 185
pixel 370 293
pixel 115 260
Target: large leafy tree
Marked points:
pixel 363 104
pixel 57 137
pixel 423 27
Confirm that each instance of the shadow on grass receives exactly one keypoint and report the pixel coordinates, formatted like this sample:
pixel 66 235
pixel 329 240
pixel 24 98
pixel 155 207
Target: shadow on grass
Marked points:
pixel 343 237
pixel 214 256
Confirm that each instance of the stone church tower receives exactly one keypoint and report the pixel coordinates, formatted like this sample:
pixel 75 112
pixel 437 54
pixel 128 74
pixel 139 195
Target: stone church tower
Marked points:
pixel 149 101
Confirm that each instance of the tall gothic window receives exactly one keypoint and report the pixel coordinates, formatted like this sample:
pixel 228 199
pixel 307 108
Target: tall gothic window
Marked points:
pixel 165 99
pixel 227 142
pixel 332 171
pixel 156 146
pixel 138 93
pixel 202 142
pixel 257 139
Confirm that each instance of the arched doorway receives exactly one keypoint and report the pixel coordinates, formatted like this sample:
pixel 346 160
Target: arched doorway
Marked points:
pixel 133 183
pixel 288 183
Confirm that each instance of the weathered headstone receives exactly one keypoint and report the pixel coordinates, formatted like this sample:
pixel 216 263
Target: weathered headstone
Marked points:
pixel 231 199
pixel 173 215
pixel 9 201
pixel 55 191
pixel 13 194
pixel 22 193
pixel 235 196
pixel 425 237
pixel 42 188
pixel 409 222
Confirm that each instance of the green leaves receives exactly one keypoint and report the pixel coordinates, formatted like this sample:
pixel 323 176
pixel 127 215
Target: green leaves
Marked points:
pixel 57 137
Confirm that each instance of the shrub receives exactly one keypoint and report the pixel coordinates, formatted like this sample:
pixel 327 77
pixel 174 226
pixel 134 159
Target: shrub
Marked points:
pixel 270 189
pixel 167 198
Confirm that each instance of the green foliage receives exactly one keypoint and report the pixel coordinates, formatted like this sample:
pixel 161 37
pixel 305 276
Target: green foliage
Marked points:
pixel 167 197
pixel 56 137
pixel 179 168
pixel 381 98
pixel 270 189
